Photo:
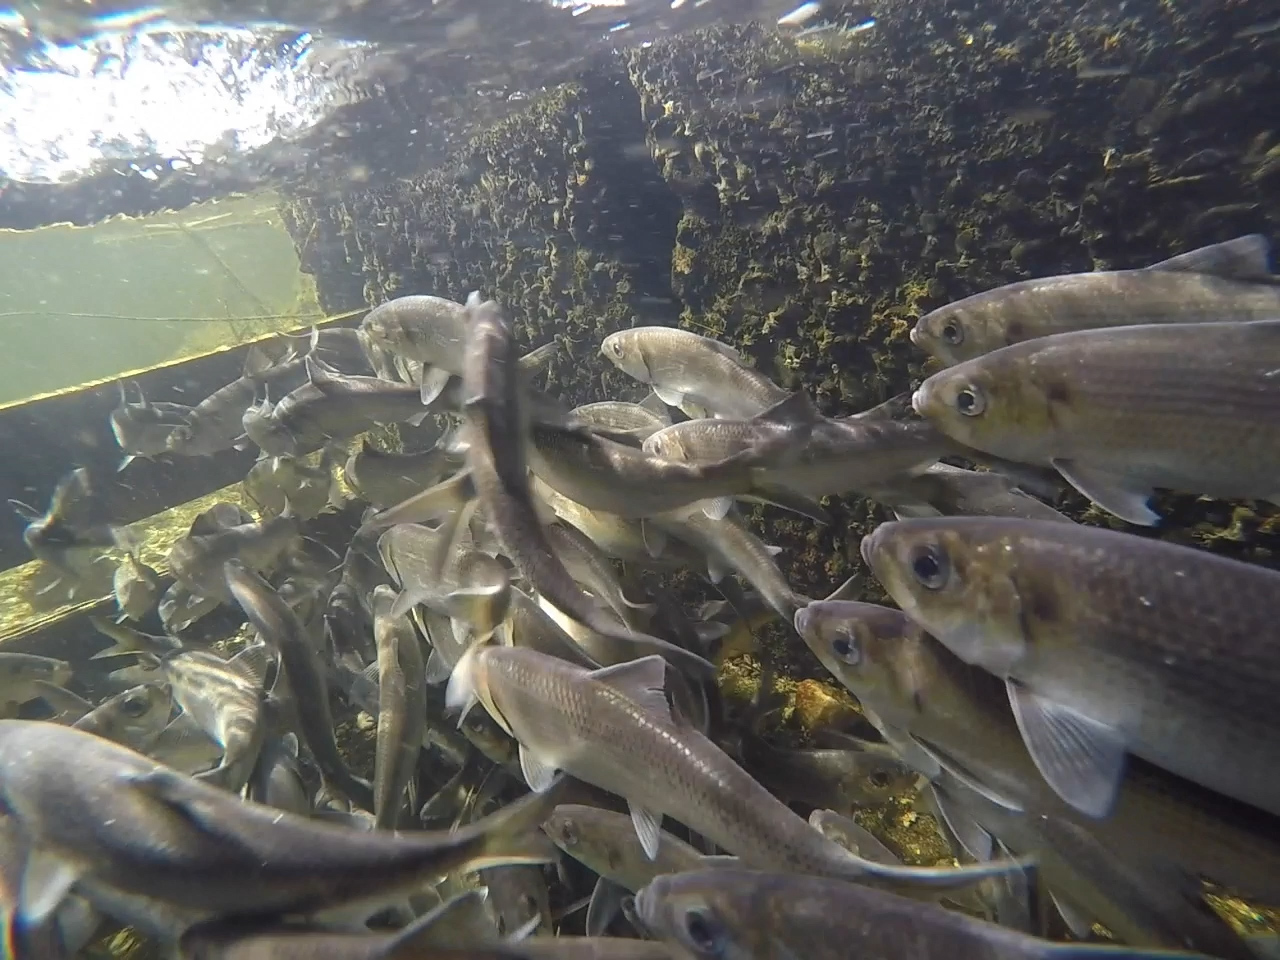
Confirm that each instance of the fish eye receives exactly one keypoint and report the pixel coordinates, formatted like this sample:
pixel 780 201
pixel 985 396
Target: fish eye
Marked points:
pixel 879 779
pixel 702 930
pixel 970 402
pixel 930 567
pixel 134 706
pixel 569 833
pixel 953 333
pixel 848 649
pixel 615 348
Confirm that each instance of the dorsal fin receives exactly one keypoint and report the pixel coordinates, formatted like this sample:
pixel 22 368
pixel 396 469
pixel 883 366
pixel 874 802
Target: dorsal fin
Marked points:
pixel 254 662
pixel 653 403
pixel 724 348
pixel 851 589
pixel 640 680
pixel 795 410
pixel 1244 258
pixel 256 362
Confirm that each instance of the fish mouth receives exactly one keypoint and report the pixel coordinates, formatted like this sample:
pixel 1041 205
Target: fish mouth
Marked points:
pixel 867 548
pixel 917 401
pixel 802 617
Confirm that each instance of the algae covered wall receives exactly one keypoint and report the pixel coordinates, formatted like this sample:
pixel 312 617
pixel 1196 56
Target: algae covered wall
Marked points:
pixel 806 197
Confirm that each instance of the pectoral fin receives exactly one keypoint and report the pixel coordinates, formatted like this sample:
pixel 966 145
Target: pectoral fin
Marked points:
pixel 606 902
pixel 1115 494
pixel 1081 759
pixel 969 834
pixel 537 773
pixel 46 880
pixel 717 508
pixel 434 380
pixel 672 398
pixel 648 828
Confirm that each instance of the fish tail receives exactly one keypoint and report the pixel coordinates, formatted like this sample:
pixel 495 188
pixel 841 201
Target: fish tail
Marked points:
pixel 514 834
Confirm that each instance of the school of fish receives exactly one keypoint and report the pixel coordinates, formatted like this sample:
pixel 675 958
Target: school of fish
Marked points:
pixel 1086 712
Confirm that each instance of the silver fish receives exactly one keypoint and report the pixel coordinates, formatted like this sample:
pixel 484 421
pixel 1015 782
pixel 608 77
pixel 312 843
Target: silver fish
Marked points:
pixel 142 429
pixel 613 729
pixel 330 407
pixel 136 587
pixel 402 708
pixel 701 376
pixel 497 429
pixel 1224 282
pixel 280 628
pixel 194 852
pixel 385 479
pixel 196 560
pixel 766 916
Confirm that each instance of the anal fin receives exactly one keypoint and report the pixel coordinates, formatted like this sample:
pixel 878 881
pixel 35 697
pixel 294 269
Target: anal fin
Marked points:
pixel 1118 495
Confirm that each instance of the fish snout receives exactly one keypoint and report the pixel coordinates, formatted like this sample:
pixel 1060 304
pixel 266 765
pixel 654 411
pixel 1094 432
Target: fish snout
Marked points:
pixel 803 620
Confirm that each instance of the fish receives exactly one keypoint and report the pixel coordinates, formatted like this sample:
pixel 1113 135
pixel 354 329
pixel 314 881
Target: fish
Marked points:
pixel 402 708
pixel 624 422
pixel 281 630
pixel 142 429
pixel 134 718
pixel 1229 282
pixel 22 676
pixel 330 408
pixel 602 474
pixel 591 568
pixel 729 546
pixel 843 779
pixel 612 728
pixel 850 835
pixel 430 330
pixel 960 715
pixel 216 423
pixel 277 483
pixel 468 589
pixel 542 628
pixel 701 376
pixel 517 898
pixel 385 479
pixel 605 842
pixel 68 929
pixel 240 941
pixel 136 588
pixel 277 779
pixel 1121 411
pixel 830 458
pixel 954 491
pixel 1108 643
pixel 60 536
pixel 195 852
pixel 196 560
pixel 226 700
pixel 622 538
pixel 775 916
pixel 497 429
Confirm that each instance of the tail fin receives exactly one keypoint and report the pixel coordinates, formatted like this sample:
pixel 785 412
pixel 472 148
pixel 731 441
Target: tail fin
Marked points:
pixel 514 834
